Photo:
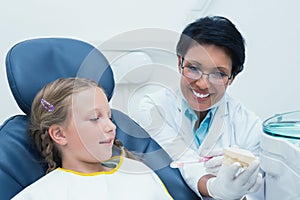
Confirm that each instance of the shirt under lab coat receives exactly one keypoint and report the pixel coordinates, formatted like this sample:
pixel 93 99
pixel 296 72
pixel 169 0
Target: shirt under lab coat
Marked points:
pixel 162 114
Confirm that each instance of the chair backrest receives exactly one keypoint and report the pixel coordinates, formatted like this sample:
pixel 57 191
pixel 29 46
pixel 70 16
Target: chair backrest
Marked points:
pixel 32 64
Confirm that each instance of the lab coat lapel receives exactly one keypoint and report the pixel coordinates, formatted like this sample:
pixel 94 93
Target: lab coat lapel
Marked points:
pixel 186 128
pixel 187 131
pixel 215 131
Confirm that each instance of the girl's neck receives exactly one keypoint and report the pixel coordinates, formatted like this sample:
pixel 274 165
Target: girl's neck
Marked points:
pixel 84 167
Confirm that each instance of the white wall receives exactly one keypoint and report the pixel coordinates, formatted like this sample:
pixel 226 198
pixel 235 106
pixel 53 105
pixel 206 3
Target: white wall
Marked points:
pixel 89 20
pixel 267 86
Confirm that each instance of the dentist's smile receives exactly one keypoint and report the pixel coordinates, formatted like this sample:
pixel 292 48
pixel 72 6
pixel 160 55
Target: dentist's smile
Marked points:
pixel 200 95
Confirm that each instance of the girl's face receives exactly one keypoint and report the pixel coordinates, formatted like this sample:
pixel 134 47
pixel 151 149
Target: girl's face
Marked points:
pixel 90 132
pixel 202 94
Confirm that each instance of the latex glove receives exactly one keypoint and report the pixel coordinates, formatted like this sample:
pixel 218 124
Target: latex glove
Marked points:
pixel 213 165
pixel 230 183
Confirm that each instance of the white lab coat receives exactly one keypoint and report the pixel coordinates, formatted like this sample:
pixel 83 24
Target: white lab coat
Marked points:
pixel 162 115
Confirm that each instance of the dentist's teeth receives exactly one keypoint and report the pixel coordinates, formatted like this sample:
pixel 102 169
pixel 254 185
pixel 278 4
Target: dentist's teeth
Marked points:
pixel 200 95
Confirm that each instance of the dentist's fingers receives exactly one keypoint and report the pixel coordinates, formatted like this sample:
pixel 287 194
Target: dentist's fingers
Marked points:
pixel 255 187
pixel 232 170
pixel 251 170
pixel 213 165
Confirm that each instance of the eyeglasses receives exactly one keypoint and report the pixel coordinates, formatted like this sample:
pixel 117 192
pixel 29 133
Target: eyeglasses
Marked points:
pixel 192 72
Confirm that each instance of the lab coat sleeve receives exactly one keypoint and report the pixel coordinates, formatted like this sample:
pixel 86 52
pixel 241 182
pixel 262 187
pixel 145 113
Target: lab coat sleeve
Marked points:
pixel 247 128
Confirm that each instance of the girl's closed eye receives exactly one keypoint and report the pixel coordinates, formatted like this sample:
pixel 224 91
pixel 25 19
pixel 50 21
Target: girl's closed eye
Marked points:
pixel 94 118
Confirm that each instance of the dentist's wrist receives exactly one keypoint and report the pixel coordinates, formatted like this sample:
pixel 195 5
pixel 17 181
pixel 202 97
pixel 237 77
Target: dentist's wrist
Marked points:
pixel 210 185
pixel 210 189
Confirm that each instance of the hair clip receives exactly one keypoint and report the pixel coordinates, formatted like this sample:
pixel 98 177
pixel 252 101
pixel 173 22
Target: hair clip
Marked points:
pixel 48 106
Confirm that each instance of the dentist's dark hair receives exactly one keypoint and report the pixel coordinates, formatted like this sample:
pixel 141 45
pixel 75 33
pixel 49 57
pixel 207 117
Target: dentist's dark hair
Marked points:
pixel 218 31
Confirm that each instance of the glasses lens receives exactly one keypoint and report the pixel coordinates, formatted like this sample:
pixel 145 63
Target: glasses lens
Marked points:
pixel 218 81
pixel 218 78
pixel 192 72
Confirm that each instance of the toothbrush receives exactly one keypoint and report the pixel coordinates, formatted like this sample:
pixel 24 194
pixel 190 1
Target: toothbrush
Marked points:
pixel 180 164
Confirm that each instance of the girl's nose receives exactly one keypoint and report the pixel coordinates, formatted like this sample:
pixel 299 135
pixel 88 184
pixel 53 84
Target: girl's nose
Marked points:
pixel 110 127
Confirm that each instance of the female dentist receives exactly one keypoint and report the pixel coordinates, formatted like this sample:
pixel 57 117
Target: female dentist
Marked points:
pixel 200 118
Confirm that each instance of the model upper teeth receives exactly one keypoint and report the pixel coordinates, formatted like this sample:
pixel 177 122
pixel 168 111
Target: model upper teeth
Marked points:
pixel 200 95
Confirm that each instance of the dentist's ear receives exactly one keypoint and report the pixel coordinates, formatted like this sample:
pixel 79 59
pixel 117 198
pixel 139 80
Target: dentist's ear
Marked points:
pixel 179 63
pixel 231 80
pixel 57 134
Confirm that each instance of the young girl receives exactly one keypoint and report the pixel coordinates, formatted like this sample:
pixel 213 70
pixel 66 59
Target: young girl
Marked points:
pixel 71 127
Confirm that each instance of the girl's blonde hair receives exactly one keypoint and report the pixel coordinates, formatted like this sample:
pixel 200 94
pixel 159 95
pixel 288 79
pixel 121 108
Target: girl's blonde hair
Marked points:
pixel 51 106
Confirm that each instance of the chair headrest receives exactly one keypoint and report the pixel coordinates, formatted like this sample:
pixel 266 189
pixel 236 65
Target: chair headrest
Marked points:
pixel 31 64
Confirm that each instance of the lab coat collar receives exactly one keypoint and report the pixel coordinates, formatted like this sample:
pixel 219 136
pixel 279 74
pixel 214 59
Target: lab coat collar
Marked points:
pixel 216 129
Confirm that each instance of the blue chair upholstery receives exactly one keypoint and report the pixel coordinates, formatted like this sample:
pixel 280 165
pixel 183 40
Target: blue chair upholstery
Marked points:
pixel 32 64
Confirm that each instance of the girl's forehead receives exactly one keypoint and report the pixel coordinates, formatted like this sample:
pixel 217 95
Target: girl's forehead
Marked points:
pixel 93 98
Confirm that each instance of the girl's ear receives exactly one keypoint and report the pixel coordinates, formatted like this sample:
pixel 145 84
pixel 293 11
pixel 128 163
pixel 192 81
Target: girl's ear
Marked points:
pixel 57 134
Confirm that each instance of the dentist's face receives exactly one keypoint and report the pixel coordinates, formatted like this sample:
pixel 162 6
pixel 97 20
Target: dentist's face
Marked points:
pixel 202 94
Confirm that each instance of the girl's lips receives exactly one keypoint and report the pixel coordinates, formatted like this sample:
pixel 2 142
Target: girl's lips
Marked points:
pixel 108 141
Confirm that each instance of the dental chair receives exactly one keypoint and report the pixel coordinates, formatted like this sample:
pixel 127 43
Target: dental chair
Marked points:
pixel 33 63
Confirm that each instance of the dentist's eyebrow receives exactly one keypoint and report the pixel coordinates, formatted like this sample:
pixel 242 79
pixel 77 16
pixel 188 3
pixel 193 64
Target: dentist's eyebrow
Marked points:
pixel 193 62
pixel 197 63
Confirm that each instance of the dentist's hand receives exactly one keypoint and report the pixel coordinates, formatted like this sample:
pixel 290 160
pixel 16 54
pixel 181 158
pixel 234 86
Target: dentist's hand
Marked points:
pixel 214 164
pixel 229 184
